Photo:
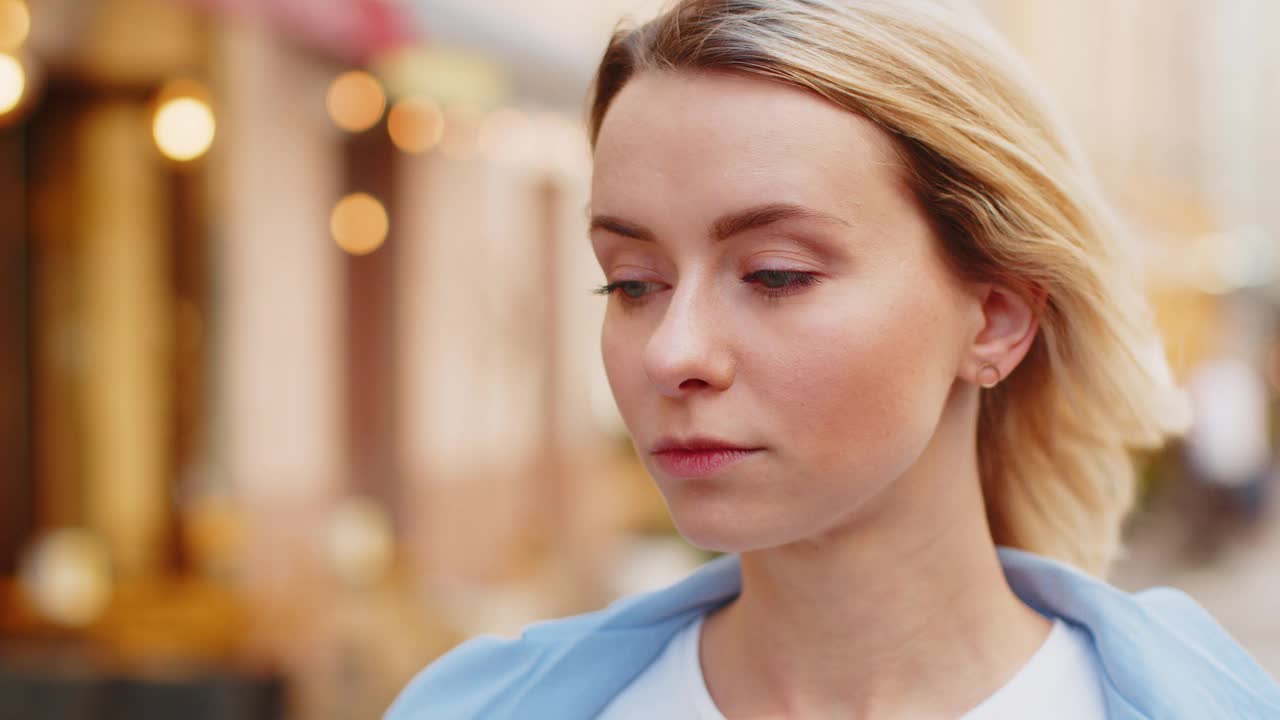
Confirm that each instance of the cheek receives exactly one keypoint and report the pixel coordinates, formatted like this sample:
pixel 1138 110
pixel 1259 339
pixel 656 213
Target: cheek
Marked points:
pixel 862 388
pixel 620 347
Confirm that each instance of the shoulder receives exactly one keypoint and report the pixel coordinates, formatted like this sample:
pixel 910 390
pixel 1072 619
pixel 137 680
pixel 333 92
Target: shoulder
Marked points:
pixel 1180 615
pixel 1160 653
pixel 469 680
pixel 1181 662
pixel 566 667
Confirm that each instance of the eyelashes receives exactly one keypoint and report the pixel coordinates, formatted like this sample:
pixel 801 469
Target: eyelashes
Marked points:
pixel 631 289
pixel 770 284
pixel 781 282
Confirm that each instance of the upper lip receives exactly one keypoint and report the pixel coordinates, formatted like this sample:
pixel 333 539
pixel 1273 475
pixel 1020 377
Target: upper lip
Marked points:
pixel 696 442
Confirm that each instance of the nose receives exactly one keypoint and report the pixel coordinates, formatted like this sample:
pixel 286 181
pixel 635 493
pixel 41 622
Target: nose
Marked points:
pixel 688 352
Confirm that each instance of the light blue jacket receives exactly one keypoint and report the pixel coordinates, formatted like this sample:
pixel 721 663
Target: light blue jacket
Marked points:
pixel 1162 656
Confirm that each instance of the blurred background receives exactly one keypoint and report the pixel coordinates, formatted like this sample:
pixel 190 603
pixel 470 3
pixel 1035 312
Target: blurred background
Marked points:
pixel 299 373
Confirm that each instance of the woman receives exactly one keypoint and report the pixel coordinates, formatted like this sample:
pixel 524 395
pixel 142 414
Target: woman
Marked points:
pixel 873 335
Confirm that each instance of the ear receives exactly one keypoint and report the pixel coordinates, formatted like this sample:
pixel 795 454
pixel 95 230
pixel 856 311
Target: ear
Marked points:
pixel 1009 324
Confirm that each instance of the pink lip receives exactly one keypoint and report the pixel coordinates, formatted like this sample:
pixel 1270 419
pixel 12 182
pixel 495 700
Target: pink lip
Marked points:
pixel 699 463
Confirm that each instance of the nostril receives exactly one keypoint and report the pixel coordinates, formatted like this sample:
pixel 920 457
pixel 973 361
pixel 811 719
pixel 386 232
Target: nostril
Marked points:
pixel 692 384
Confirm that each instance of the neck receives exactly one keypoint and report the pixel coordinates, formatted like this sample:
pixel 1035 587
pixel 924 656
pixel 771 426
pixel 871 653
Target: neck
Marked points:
pixel 902 612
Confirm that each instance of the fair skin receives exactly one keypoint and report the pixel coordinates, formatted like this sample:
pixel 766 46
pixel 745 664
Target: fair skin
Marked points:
pixel 828 332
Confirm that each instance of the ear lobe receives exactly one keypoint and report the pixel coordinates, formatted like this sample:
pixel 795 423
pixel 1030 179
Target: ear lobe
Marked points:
pixel 1010 324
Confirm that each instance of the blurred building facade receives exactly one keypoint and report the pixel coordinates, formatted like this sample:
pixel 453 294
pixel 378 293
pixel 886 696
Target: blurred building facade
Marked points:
pixel 1168 99
pixel 302 383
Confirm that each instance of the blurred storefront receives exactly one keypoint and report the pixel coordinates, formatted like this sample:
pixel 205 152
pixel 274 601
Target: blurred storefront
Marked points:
pixel 301 354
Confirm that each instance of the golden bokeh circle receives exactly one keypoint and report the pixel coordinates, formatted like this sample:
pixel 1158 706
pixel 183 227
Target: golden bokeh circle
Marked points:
pixel 15 24
pixel 359 223
pixel 355 101
pixel 66 575
pixel 415 124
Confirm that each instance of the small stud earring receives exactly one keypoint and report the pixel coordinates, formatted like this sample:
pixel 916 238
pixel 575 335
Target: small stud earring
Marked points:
pixel 989 376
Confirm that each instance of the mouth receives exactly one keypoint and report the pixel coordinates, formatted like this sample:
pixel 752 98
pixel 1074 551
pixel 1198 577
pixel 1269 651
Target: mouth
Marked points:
pixel 699 457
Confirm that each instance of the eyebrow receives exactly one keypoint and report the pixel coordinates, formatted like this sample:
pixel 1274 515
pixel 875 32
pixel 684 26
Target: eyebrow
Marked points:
pixel 726 226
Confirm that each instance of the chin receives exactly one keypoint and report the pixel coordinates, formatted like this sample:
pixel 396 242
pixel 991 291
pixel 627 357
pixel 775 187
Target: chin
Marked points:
pixel 733 514
pixel 725 531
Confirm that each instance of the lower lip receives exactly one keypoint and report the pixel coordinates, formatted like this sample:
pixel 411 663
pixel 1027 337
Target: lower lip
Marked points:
pixel 699 463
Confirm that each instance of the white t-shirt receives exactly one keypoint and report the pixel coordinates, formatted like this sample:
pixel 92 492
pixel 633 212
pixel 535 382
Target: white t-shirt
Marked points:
pixel 1060 682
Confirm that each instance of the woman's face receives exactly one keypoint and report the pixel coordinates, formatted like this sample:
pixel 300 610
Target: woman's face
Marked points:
pixel 775 288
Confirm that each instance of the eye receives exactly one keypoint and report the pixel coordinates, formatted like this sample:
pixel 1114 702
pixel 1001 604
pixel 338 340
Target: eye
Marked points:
pixel 776 283
pixel 632 290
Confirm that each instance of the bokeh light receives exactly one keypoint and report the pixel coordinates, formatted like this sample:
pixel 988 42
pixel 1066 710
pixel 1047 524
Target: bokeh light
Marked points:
pixel 15 24
pixel 67 577
pixel 184 128
pixel 355 101
pixel 415 124
pixel 360 542
pixel 13 82
pixel 359 223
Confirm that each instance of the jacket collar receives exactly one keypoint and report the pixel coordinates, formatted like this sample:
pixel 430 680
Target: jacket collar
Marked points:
pixel 1161 655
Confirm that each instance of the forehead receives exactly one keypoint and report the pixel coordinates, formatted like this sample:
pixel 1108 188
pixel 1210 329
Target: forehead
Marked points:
pixel 681 139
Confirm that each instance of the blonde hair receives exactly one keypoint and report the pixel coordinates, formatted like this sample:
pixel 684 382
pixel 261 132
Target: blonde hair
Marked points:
pixel 1012 202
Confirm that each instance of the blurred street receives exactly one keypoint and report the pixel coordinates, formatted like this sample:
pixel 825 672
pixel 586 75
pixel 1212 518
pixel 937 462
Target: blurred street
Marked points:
pixel 1230 569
